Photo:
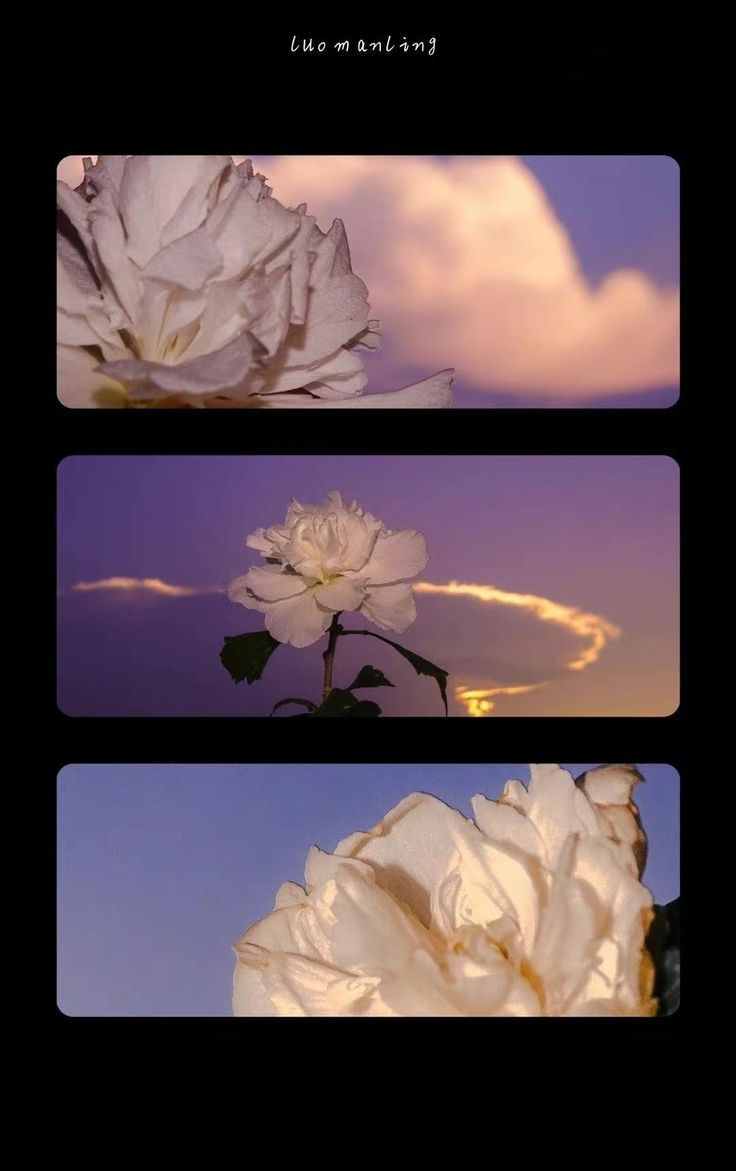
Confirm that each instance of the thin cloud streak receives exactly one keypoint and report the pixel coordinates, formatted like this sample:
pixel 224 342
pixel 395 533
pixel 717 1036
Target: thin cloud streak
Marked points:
pixel 594 629
pixel 151 585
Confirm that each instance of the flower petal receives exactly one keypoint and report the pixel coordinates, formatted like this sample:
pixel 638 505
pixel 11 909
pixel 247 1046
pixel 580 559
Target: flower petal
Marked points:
pixel 267 984
pixel 119 278
pixel 506 826
pixel 338 376
pixel 298 620
pixel 391 607
pixel 338 303
pixel 396 556
pixel 368 931
pixel 625 909
pixel 248 231
pixel 153 189
pixel 221 370
pixel 487 885
pixel 239 591
pixel 412 849
pixel 557 809
pixel 342 594
pixel 288 894
pixel 190 261
pixel 610 784
pixel 80 383
pixel 271 585
pixel 432 393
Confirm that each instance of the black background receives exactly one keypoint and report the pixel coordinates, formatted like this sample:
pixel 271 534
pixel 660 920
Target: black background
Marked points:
pixel 487 90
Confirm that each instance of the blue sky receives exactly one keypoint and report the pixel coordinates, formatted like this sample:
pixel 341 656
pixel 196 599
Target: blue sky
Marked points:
pixel 620 210
pixel 162 867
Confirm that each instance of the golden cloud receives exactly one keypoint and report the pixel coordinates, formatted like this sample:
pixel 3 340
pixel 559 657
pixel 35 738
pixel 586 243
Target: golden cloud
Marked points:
pixel 595 630
pixel 151 585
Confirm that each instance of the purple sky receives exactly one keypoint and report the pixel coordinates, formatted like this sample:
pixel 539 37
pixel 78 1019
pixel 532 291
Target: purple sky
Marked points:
pixel 598 533
pixel 620 210
pixel 162 867
pixel 544 280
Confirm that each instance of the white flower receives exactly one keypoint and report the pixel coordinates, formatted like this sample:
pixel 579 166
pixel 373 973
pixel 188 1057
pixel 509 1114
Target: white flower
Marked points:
pixel 327 558
pixel 182 282
pixel 533 909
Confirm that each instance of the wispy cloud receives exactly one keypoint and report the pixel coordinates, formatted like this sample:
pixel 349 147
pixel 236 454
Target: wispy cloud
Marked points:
pixel 593 630
pixel 468 265
pixel 151 585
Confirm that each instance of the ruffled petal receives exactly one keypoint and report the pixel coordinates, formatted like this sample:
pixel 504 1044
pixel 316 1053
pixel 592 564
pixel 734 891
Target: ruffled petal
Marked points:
pixel 609 789
pixel 557 809
pixel 299 621
pixel 433 393
pixel 412 849
pixel 260 541
pixel 396 556
pixel 338 304
pixel 505 825
pixel 80 383
pixel 221 370
pixel 247 231
pixel 341 594
pixel 271 585
pixel 391 607
pixel 119 277
pixel 189 262
pixel 284 985
pixel 153 189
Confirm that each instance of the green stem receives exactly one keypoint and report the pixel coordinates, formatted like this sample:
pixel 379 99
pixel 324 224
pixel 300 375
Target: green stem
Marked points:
pixel 329 655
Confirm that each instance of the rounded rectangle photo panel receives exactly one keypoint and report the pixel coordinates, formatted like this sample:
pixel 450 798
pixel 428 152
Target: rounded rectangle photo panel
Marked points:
pixel 353 890
pixel 323 282
pixel 314 587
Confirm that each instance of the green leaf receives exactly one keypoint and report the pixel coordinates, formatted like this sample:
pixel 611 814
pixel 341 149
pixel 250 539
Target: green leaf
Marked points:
pixel 366 708
pixel 304 703
pixel 343 703
pixel 663 942
pixel 370 677
pixel 245 655
pixel 420 665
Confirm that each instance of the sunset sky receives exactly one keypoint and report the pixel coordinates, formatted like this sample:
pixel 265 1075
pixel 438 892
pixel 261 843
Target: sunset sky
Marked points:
pixel 597 535
pixel 162 867
pixel 545 280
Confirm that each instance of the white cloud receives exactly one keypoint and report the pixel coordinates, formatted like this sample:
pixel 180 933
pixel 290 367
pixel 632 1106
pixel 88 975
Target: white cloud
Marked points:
pixel 468 266
pixel 150 585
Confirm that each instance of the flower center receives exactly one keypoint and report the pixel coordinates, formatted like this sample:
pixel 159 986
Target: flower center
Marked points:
pixel 328 576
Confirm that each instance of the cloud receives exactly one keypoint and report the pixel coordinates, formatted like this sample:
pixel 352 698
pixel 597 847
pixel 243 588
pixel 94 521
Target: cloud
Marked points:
pixel 468 266
pixel 593 630
pixel 151 585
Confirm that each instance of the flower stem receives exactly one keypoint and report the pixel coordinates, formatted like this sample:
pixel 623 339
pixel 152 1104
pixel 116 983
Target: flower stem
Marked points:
pixel 329 655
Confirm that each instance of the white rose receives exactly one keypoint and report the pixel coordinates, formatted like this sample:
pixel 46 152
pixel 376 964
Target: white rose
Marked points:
pixel 182 282
pixel 328 558
pixel 533 909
